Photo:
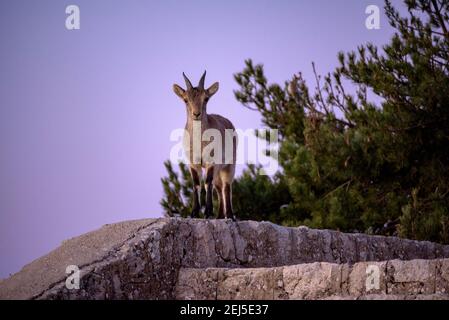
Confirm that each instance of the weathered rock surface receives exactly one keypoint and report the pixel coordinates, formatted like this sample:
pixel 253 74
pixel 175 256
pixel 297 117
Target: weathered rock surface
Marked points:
pixel 393 280
pixel 154 258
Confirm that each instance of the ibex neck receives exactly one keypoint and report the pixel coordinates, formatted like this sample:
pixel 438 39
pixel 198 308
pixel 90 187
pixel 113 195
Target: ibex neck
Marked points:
pixel 204 122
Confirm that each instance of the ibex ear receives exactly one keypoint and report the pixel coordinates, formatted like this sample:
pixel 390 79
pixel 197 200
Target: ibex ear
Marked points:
pixel 178 91
pixel 212 89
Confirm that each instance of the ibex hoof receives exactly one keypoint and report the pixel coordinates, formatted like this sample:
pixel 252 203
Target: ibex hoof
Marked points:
pixel 208 214
pixel 193 215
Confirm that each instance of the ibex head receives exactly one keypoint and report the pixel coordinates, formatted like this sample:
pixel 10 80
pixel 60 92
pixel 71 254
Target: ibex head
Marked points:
pixel 195 98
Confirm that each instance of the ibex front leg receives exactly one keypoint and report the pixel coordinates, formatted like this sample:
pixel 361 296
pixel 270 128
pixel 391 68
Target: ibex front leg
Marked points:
pixel 196 177
pixel 208 184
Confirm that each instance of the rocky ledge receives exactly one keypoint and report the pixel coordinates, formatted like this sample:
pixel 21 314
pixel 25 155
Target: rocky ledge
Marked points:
pixel 220 259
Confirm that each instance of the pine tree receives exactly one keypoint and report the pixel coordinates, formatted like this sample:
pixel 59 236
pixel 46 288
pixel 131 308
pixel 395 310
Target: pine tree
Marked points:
pixel 177 191
pixel 352 164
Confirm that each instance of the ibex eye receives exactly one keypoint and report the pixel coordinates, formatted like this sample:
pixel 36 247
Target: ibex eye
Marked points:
pixel 207 99
pixel 185 100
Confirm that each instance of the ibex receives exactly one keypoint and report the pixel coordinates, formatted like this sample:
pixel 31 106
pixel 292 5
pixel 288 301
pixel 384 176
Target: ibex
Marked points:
pixel 218 174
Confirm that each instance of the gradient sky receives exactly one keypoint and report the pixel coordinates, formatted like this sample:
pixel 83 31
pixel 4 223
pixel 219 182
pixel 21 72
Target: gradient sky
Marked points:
pixel 85 115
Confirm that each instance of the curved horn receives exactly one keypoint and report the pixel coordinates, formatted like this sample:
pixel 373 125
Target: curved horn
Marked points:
pixel 188 83
pixel 201 83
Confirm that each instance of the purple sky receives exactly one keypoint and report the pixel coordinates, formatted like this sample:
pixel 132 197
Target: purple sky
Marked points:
pixel 85 115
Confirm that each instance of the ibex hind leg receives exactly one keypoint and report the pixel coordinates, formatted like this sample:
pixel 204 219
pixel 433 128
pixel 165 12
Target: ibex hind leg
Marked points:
pixel 218 189
pixel 227 176
pixel 227 193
